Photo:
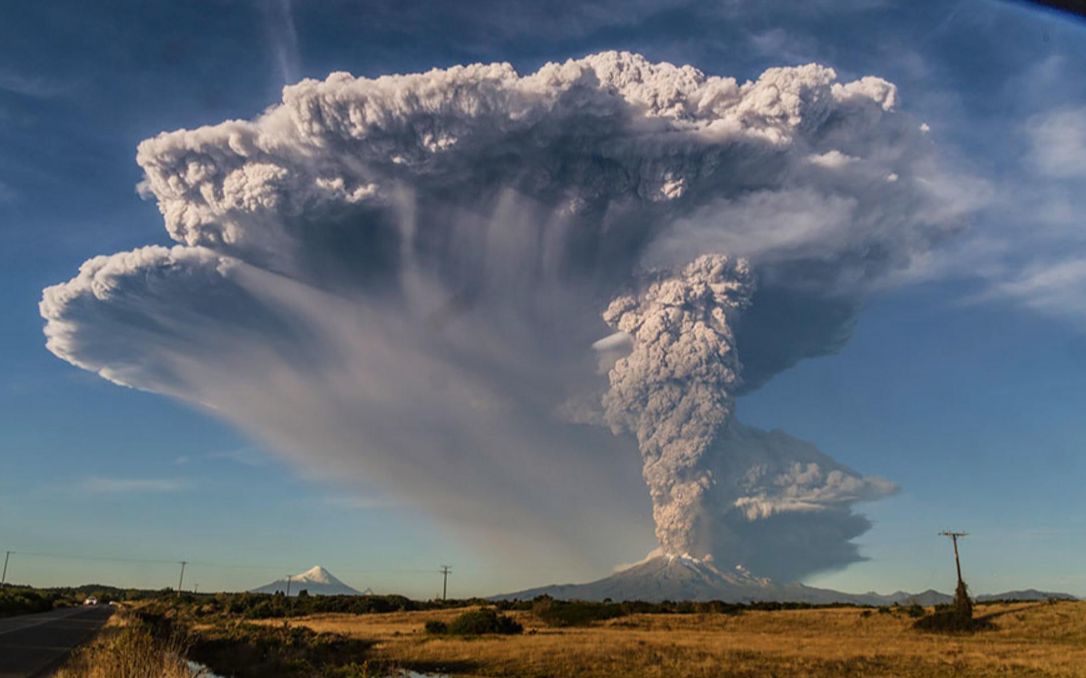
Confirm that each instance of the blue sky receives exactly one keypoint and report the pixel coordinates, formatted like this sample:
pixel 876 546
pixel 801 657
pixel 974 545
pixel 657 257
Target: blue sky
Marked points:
pixel 965 389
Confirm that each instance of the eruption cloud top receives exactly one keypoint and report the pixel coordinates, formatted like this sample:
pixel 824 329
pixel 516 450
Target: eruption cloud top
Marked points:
pixel 397 283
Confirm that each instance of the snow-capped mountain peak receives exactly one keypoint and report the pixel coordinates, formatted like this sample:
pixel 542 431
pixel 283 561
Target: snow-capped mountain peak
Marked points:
pixel 664 576
pixel 315 581
pixel 318 575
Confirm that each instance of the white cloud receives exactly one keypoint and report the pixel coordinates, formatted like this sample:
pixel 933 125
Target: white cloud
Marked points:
pixel 1024 252
pixel 362 503
pixel 1059 143
pixel 831 159
pixel 111 485
pixel 246 456
pixel 30 85
pixel 1056 288
pixel 279 23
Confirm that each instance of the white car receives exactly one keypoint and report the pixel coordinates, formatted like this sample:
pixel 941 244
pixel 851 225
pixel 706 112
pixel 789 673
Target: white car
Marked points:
pixel 90 601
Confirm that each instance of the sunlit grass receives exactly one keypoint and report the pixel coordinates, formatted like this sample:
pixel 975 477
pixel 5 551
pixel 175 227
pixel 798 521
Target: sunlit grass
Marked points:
pixel 126 649
pixel 1044 639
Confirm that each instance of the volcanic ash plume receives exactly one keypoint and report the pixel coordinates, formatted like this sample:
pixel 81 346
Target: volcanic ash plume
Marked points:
pixel 674 390
pixel 394 284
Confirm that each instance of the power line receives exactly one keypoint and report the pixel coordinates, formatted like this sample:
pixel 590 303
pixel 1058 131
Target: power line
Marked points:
pixel 443 570
pixel 261 567
pixel 207 563
pixel 113 559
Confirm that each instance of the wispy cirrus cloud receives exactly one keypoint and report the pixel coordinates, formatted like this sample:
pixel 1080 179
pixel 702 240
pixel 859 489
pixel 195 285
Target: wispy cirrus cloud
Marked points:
pixel 1059 142
pixel 361 503
pixel 30 85
pixel 279 22
pixel 1030 249
pixel 116 485
pixel 1054 288
pixel 246 456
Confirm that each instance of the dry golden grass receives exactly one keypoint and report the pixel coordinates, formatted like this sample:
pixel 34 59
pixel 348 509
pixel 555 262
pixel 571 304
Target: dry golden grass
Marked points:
pixel 125 649
pixel 1030 639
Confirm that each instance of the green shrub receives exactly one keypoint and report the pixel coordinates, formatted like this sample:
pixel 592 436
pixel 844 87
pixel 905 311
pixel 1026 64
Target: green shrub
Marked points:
pixel 20 600
pixel 478 622
pixel 562 613
pixel 436 627
pixel 951 621
pixel 252 651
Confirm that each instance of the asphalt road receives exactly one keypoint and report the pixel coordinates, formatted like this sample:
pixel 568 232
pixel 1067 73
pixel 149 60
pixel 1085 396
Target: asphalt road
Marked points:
pixel 36 644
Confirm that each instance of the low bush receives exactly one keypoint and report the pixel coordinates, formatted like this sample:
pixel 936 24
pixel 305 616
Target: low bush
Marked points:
pixel 956 617
pixel 15 601
pixel 950 621
pixel 18 599
pixel 562 613
pixel 436 627
pixel 275 606
pixel 251 651
pixel 479 622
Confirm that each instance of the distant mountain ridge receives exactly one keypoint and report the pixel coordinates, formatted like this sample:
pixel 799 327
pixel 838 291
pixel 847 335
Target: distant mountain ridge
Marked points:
pixel 684 578
pixel 1025 594
pixel 315 581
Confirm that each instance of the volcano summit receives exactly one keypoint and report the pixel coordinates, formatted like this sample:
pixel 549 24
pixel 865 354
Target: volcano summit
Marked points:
pixel 317 581
pixel 669 577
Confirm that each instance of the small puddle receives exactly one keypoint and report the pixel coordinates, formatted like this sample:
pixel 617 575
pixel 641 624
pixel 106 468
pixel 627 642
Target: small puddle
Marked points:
pixel 198 670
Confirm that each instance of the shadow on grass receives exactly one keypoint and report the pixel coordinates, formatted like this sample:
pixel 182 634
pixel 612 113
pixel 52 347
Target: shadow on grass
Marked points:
pixel 443 667
pixel 950 621
pixel 1013 610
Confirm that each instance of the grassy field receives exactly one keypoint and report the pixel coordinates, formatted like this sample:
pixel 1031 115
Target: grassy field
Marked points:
pixel 125 649
pixel 1028 639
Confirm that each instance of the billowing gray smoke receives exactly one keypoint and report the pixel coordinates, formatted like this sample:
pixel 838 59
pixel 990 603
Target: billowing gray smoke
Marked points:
pixel 674 390
pixel 396 283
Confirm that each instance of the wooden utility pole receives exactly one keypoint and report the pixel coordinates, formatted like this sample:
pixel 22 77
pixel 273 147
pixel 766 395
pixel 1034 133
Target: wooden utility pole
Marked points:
pixel 954 538
pixel 4 577
pixel 445 570
pixel 963 606
pixel 181 579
